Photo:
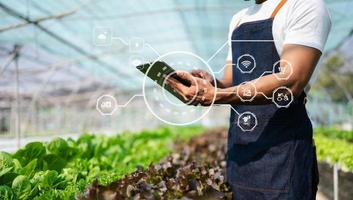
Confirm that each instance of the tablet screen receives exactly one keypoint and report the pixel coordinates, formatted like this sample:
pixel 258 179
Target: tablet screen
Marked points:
pixel 158 72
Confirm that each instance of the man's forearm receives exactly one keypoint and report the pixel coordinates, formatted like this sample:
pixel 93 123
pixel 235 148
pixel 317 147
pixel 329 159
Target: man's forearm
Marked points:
pixel 297 63
pixel 222 84
pixel 227 80
pixel 261 90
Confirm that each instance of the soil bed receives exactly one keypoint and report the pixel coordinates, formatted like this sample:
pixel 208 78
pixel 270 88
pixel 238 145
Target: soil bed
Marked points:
pixel 195 171
pixel 345 182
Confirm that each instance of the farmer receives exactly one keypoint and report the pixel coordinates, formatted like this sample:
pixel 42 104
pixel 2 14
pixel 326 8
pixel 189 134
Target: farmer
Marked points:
pixel 275 46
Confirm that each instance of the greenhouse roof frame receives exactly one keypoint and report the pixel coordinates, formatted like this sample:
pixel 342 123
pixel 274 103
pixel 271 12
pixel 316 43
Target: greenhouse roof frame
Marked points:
pixel 62 39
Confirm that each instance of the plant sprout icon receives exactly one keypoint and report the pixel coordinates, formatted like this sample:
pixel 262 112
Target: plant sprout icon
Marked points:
pixel 246 120
pixel 282 70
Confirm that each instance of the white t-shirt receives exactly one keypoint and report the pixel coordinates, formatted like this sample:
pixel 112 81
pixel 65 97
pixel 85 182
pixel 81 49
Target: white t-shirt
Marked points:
pixel 303 22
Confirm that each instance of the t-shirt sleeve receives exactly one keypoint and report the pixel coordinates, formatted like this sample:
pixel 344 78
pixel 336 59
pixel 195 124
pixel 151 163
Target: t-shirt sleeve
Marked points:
pixel 229 56
pixel 308 24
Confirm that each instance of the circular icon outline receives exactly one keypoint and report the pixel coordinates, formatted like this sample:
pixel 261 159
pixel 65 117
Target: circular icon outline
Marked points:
pixel 164 91
pixel 114 101
pixel 291 97
pixel 144 91
pixel 253 97
pixel 247 113
pixel 277 75
pixel 238 62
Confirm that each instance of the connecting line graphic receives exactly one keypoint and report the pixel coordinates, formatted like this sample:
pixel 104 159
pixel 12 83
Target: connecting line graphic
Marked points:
pixel 121 39
pixel 263 74
pixel 128 102
pixel 228 42
pixel 146 44
pixel 263 94
pixel 227 105
pixel 217 52
pixel 153 49
pixel 222 69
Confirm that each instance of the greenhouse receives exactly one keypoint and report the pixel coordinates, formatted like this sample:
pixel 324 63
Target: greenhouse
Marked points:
pixel 176 99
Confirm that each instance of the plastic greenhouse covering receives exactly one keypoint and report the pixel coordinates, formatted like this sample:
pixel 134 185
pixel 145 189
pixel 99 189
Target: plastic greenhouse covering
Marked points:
pixel 63 62
pixel 58 55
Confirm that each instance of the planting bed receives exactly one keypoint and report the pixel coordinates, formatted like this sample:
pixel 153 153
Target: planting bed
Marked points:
pixel 334 150
pixel 61 169
pixel 104 167
pixel 196 170
pixel 345 182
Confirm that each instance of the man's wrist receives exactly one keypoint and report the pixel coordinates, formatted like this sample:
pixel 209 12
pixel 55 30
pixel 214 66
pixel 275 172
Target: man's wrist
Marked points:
pixel 225 95
pixel 215 84
pixel 218 83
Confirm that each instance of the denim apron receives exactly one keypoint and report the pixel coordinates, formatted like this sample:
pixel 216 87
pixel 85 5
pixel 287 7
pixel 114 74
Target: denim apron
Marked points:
pixel 277 159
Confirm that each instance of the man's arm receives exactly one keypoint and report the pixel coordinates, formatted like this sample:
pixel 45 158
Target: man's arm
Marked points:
pixel 303 61
pixel 225 82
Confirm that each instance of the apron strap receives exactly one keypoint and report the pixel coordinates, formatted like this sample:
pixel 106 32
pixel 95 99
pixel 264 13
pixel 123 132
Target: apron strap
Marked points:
pixel 279 6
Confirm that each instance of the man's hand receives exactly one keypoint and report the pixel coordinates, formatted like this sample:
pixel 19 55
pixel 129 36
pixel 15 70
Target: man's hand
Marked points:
pixel 201 91
pixel 227 80
pixel 199 73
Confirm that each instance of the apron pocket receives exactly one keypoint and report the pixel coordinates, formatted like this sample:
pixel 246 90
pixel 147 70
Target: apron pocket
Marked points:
pixel 245 137
pixel 264 170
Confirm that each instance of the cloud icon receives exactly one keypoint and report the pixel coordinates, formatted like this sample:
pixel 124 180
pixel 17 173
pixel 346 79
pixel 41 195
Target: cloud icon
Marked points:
pixel 102 36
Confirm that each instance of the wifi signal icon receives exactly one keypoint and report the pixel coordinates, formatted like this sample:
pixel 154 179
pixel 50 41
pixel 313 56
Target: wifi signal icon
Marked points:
pixel 246 63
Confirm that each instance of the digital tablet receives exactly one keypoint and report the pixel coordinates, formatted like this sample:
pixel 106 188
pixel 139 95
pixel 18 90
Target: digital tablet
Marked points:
pixel 158 72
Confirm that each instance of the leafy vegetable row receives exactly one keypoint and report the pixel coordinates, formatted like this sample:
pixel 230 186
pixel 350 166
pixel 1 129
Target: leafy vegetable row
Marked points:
pixel 195 170
pixel 62 168
pixel 335 133
pixel 335 151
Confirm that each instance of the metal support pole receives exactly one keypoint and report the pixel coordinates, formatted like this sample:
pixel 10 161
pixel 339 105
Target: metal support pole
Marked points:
pixel 18 103
pixel 335 181
pixel 7 63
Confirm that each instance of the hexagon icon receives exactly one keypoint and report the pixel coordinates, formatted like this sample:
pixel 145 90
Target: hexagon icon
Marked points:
pixel 106 105
pixel 282 69
pixel 282 97
pixel 246 63
pixel 247 91
pixel 247 121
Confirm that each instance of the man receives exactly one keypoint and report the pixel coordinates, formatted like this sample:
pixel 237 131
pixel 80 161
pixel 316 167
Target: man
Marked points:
pixel 271 154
